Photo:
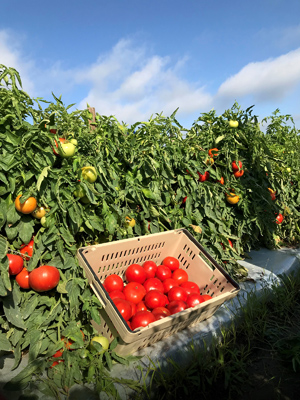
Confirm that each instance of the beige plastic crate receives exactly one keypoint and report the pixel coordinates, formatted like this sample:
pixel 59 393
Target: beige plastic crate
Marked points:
pixel 102 260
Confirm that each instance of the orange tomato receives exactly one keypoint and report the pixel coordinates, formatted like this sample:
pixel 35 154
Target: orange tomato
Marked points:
pixel 232 198
pixel 27 207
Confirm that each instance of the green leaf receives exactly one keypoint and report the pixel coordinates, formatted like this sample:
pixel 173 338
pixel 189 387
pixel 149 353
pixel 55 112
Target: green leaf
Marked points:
pixel 4 343
pixel 12 311
pixel 43 175
pixel 12 215
pixel 149 194
pixel 110 223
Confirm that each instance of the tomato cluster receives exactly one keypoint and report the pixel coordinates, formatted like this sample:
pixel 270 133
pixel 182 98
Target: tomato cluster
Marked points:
pixel 41 279
pixel 151 292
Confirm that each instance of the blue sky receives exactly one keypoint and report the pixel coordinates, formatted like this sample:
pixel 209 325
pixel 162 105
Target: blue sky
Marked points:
pixel 136 58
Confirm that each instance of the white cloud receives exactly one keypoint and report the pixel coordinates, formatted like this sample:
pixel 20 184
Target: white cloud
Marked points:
pixel 267 80
pixel 131 85
pixel 12 56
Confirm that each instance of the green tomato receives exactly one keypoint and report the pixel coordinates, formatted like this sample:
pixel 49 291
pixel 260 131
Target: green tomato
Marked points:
pixel 74 141
pixel 85 200
pixel 46 222
pixel 89 174
pixel 68 150
pixel 103 341
pixel 289 169
pixel 79 192
pixel 233 124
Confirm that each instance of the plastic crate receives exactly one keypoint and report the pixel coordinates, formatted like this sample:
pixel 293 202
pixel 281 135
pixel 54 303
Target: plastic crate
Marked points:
pixel 102 260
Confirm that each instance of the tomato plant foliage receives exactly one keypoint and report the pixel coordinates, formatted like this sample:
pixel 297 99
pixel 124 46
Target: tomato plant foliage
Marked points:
pixel 140 173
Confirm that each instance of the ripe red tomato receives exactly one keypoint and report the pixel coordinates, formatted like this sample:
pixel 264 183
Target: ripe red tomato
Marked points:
pixel 190 287
pixel 163 272
pixel 176 306
pixel 22 279
pixel 113 282
pixel 236 167
pixel 150 267
pixel 141 306
pixel 169 283
pixel 152 284
pixel 221 181
pixel 116 294
pixel 180 275
pixel 43 278
pixel 238 174
pixel 206 297
pixel 124 308
pixel 134 292
pixel 133 308
pixel 154 299
pixel 58 354
pixel 171 262
pixel 184 200
pixel 204 177
pixel 160 312
pixel 279 219
pixel 142 319
pixel 177 293
pixel 15 264
pixel 194 299
pixel 27 248
pixel 135 273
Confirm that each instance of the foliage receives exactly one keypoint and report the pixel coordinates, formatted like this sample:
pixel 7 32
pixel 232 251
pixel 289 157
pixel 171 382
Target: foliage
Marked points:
pixel 144 172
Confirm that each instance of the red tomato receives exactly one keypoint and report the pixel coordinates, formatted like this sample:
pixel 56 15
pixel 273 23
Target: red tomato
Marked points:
pixel 206 297
pixel 204 177
pixel 150 267
pixel 43 278
pixel 116 294
pixel 152 284
pixel 221 181
pixel 190 287
pixel 133 308
pixel 176 306
pixel 141 306
pixel 113 282
pixel 154 299
pixel 22 279
pixel 58 354
pixel 62 140
pixel 171 262
pixel 135 273
pixel 134 292
pixel 15 264
pixel 124 308
pixel 129 324
pixel 279 219
pixel 160 312
pixel 27 248
pixel 177 293
pixel 180 275
pixel 184 200
pixel 141 319
pixel 163 272
pixel 236 167
pixel 238 174
pixel 56 363
pixel 169 283
pixel 194 299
